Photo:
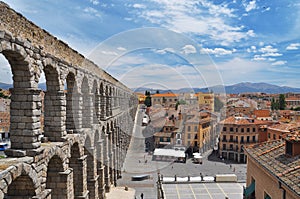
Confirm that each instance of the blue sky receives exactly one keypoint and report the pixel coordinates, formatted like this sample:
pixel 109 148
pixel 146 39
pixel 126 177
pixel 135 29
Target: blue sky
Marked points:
pixel 174 44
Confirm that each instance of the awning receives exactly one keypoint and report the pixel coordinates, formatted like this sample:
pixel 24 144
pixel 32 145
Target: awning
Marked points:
pixel 249 190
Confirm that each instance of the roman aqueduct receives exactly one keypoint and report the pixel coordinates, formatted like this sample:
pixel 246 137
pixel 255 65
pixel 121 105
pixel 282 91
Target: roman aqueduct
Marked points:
pixel 78 148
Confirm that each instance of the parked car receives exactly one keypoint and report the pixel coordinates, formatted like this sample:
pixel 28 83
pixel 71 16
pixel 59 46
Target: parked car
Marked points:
pixel 3 146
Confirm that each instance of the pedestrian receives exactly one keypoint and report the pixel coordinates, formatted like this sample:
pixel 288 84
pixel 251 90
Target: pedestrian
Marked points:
pixel 142 196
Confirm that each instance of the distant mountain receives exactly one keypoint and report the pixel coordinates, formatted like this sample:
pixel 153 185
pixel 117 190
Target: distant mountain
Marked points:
pixel 244 87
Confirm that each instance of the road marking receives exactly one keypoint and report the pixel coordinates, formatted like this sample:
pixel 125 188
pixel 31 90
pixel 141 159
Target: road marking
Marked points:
pixel 177 191
pixel 192 191
pixel 221 189
pixel 208 192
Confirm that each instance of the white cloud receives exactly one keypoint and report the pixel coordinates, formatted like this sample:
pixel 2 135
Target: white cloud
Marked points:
pixel 109 52
pixel 201 18
pixel 121 48
pixel 165 50
pixel 271 54
pixel 250 6
pixel 137 5
pixel 293 46
pixel 269 51
pixel 188 49
pixel 94 2
pixel 92 12
pixel 279 63
pixel 258 58
pixel 218 51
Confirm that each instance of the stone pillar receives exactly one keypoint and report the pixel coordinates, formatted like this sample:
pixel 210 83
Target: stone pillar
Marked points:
pixel 111 157
pixel 81 192
pixel 103 107
pixel 108 106
pixel 66 184
pixel 100 169
pixel 87 110
pixel 92 176
pixel 69 111
pixel 25 126
pixel 55 115
pixel 106 163
pixel 97 110
pixel 77 112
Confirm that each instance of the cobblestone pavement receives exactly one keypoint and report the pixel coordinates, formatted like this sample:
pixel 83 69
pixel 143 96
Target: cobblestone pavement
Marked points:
pixel 138 162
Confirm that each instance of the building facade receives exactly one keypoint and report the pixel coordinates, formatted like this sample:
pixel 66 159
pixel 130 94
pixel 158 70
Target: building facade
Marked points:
pixel 236 133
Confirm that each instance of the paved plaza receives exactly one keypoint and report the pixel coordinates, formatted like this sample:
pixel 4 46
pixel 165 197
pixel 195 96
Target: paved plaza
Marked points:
pixel 138 162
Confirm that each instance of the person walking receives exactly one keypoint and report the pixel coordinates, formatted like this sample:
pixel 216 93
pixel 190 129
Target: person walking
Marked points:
pixel 142 196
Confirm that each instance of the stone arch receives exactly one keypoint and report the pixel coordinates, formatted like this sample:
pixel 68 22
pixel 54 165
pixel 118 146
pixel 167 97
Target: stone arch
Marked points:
pixel 78 164
pixel 25 106
pixel 107 104
pixel 54 104
pixel 86 103
pixel 71 89
pixel 106 154
pixel 21 187
pixel 56 180
pixel 24 183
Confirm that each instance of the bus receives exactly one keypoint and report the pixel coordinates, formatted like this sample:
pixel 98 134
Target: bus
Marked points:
pixel 3 146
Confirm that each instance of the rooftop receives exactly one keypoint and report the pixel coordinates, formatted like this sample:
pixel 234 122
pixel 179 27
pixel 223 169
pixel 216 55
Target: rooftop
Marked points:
pixel 271 156
pixel 243 121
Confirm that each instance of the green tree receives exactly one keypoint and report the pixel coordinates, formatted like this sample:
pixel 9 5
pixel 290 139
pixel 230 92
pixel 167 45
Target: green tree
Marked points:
pixel 218 104
pixel 148 102
pixel 157 91
pixel 281 102
pixel 274 104
pixel 178 103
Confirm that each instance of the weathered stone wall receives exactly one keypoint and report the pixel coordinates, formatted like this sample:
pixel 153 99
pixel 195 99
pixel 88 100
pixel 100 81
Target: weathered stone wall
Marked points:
pixel 87 127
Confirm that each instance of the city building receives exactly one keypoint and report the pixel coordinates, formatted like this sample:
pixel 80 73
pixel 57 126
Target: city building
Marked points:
pixel 263 114
pixel 141 97
pixel 236 133
pixel 166 137
pixel 206 99
pixel 281 130
pixel 166 99
pixel 273 169
pixel 292 102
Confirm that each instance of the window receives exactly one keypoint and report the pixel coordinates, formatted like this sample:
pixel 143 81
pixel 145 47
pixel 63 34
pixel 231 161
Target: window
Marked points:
pixel 224 146
pixel 154 100
pixel 224 128
pixel 196 136
pixel 175 100
pixel 178 136
pixel 195 129
pixel 248 130
pixel 167 128
pixel 248 138
pixel 274 136
pixel 231 147
pixel 236 130
pixel 231 129
pixel 168 140
pixel 195 143
pixel 189 136
pixel 224 138
pixel 242 139
pixel 189 128
pixel 242 130
pixel 254 129
pixel 269 135
pixel 188 143
pixel 253 138
pixel 170 100
pixel 231 138
pixel 161 139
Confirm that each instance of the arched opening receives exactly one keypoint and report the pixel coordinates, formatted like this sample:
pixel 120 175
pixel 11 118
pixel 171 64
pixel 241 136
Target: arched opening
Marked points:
pixel 54 106
pixel 100 162
pixel 55 180
pixel 77 165
pixel 86 104
pixel 70 86
pixel 107 101
pixel 22 187
pixel 102 102
pixel 25 105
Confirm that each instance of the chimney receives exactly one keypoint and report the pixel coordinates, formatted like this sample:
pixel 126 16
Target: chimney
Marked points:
pixel 292 144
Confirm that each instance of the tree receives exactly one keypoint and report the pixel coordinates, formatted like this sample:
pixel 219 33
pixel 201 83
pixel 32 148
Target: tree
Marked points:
pixel 282 103
pixel 157 91
pixel 148 99
pixel 274 104
pixel 178 103
pixel 218 104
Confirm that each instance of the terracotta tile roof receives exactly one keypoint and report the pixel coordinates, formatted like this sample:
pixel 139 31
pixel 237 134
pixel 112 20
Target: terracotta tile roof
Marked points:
pixel 262 113
pixel 285 127
pixel 242 121
pixel 294 137
pixel 271 156
pixel 165 95
pixel 292 99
